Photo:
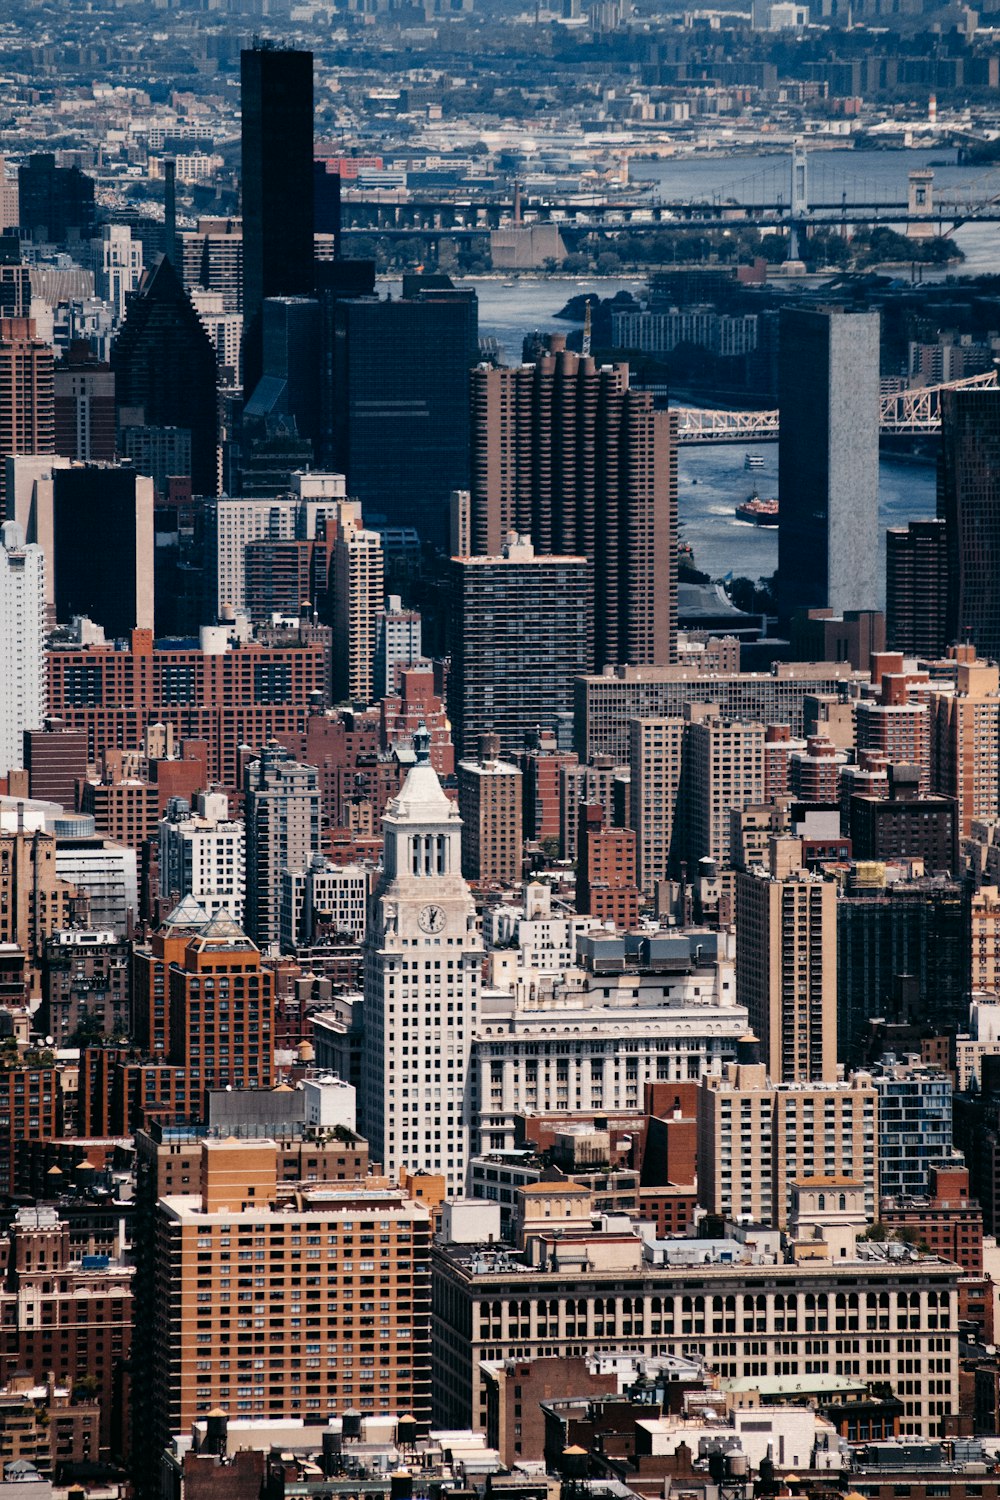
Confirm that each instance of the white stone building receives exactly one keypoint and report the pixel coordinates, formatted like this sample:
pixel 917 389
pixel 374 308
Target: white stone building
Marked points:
pixel 22 635
pixel 422 978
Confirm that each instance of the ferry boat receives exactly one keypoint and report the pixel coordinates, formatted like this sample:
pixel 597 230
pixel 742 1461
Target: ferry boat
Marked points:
pixel 759 512
pixel 753 460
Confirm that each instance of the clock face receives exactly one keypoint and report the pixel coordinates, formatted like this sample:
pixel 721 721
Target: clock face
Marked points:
pixel 432 919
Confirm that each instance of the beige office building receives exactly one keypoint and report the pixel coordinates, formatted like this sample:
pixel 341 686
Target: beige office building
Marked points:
pixel 585 1295
pixel 786 965
pixel 724 762
pixel 756 1139
pixel 656 748
pixel 358 595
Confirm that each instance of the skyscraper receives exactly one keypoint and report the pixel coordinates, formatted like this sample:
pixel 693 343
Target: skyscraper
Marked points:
pixel 26 398
pixel 969 504
pixel 786 953
pixel 84 403
pixel 164 363
pixel 916 588
pixel 22 631
pixel 289 385
pixel 828 400
pixel 357 593
pixel 55 204
pixel 423 956
pixel 277 181
pixel 396 406
pixel 521 632
pixel 102 555
pixel 564 452
pixel 282 810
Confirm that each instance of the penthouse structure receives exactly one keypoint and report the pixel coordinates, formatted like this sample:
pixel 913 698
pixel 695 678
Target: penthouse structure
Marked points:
pixel 226 693
pixel 603 703
pixel 565 453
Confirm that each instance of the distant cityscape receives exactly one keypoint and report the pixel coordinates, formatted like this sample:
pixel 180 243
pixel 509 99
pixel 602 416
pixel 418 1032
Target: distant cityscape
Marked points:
pixel 495 1005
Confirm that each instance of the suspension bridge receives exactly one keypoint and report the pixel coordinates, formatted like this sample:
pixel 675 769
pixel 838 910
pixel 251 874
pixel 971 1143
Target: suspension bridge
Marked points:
pixel 797 193
pixel 903 413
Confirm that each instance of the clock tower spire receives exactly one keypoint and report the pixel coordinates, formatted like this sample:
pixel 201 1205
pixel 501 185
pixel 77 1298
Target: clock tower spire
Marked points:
pixel 423 956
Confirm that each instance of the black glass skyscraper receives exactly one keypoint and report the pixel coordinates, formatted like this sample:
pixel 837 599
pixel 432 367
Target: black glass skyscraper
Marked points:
pixel 164 363
pixel 54 204
pixel 396 403
pixel 277 170
pixel 969 504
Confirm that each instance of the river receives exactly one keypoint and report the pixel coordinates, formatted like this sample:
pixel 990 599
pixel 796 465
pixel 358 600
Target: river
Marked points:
pixel 712 481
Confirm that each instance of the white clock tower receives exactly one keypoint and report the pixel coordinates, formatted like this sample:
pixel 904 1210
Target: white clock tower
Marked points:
pixel 423 960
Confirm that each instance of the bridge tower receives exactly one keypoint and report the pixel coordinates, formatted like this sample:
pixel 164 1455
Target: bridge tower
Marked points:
pixel 799 198
pixel 920 200
pixel 800 180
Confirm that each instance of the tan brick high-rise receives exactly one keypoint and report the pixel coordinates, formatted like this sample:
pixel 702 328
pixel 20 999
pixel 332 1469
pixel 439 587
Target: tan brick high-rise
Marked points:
pixel 27 401
pixel 786 966
pixel 273 1303
pixel 564 452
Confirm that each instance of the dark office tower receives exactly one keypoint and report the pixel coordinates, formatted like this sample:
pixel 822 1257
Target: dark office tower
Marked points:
pixel 15 279
pixel 277 175
pixel 563 451
pixel 84 406
pixel 170 213
pixel 912 927
pixel 102 522
pixel 54 204
pixel 26 409
pixel 164 365
pixel 916 589
pixel 828 402
pixel 289 383
pixel 399 400
pixel 969 504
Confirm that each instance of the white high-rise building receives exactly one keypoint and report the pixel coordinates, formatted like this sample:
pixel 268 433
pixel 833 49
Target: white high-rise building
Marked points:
pixel 116 259
pixel 22 635
pixel 423 955
pixel 202 854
